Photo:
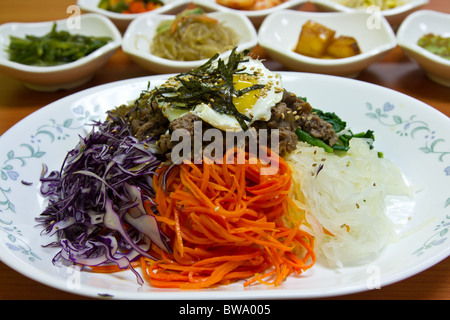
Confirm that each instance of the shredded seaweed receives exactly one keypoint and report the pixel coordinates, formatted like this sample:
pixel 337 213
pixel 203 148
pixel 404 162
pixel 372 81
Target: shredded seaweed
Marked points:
pixel 210 84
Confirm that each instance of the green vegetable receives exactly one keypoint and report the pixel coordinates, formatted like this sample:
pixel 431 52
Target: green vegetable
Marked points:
pixel 308 138
pixel 344 139
pixel 54 48
pixel 121 5
pixel 343 144
pixel 330 117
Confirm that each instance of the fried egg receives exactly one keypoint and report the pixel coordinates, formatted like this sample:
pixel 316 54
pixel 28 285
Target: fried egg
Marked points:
pixel 256 104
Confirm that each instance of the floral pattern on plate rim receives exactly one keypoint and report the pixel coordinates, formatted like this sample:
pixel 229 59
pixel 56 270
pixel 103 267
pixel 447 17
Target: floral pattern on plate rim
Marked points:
pixel 410 127
pixel 405 127
pixel 29 151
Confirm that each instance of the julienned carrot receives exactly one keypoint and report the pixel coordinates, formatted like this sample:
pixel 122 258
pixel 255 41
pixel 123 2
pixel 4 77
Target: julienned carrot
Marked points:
pixel 227 222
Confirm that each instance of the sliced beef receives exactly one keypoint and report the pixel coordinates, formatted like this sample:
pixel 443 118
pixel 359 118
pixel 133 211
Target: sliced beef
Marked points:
pixel 149 121
pixel 185 122
pixel 289 114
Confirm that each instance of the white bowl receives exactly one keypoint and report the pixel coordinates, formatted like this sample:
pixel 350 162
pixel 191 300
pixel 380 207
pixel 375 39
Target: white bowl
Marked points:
pixel 121 20
pixel 138 37
pixel 394 16
pixel 280 31
pixel 65 76
pixel 255 16
pixel 412 29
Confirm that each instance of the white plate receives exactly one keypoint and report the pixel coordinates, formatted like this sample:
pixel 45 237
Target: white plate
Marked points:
pixel 409 132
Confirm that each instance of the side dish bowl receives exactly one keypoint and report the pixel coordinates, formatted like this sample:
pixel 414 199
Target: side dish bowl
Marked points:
pixel 280 31
pixel 121 20
pixel 138 37
pixel 65 76
pixel 412 29
pixel 394 16
pixel 255 16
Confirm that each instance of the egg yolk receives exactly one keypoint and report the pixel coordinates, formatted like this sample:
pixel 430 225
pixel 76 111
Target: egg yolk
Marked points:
pixel 247 100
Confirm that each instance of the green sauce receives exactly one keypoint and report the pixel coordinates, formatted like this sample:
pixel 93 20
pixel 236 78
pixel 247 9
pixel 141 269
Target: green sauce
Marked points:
pixel 436 44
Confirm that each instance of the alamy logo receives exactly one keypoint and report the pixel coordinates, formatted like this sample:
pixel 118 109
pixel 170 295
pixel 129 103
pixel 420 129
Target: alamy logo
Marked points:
pixel 73 280
pixel 74 21
pixel 374 20
pixel 374 278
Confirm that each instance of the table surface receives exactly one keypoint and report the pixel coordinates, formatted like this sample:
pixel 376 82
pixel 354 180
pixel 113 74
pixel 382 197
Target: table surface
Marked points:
pixel 395 71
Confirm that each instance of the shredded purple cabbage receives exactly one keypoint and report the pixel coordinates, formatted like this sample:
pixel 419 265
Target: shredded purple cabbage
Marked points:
pixel 100 188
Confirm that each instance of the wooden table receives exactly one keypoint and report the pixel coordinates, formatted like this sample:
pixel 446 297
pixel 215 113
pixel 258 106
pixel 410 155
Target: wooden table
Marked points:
pixel 395 71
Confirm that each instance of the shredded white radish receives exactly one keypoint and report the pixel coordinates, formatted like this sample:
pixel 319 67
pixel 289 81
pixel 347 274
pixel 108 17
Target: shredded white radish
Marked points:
pixel 344 199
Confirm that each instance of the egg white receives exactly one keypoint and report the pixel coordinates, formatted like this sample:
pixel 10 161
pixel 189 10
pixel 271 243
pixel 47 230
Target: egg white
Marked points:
pixel 260 110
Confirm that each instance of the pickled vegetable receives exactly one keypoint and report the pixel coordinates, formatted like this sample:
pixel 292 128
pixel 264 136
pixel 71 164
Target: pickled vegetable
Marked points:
pixel 130 6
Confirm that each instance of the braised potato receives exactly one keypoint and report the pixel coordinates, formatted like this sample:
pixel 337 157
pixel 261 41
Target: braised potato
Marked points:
pixel 314 39
pixel 343 47
pixel 318 41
